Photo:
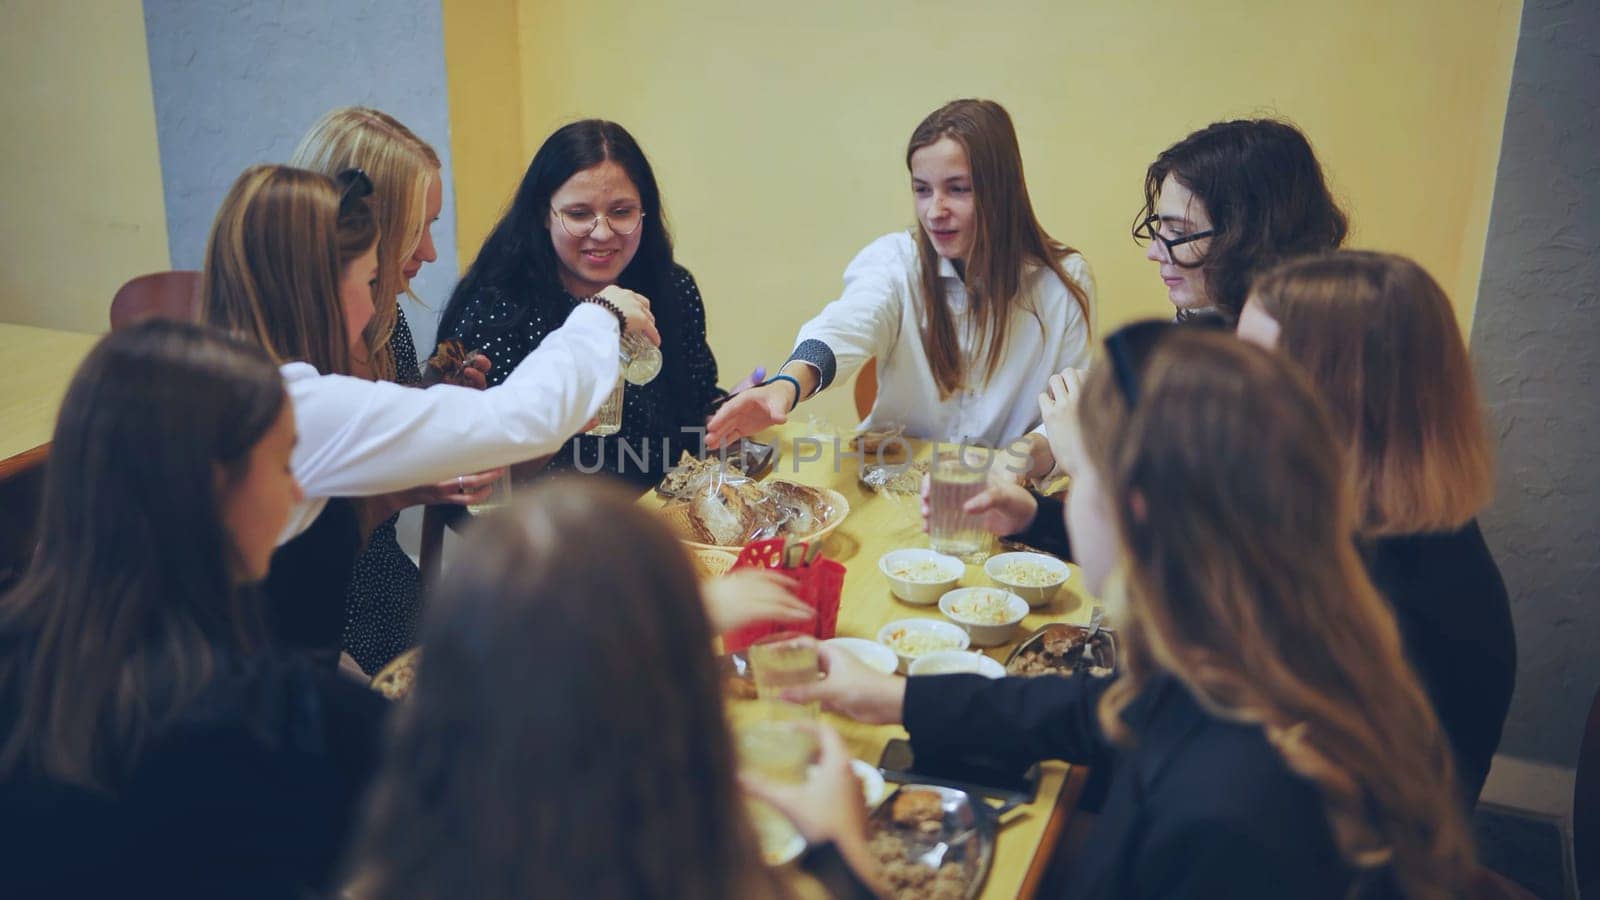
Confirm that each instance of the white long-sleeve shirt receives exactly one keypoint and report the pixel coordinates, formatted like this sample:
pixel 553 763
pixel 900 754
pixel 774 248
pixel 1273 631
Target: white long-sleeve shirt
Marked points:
pixel 882 313
pixel 358 438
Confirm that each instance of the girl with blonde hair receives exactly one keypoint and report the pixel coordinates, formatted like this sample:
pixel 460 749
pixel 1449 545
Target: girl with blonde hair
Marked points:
pixel 1267 736
pixel 1379 338
pixel 385 593
pixel 272 276
pixel 966 314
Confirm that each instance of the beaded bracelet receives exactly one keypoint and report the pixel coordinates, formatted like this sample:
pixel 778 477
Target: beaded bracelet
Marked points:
pixel 792 382
pixel 603 303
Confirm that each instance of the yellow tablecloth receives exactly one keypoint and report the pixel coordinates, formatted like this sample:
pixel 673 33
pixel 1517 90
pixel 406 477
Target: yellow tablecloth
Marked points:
pixel 880 523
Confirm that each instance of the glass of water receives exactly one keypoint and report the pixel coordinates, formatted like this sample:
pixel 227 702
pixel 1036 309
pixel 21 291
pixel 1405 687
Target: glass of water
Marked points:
pixel 954 478
pixel 641 360
pixel 499 496
pixel 609 419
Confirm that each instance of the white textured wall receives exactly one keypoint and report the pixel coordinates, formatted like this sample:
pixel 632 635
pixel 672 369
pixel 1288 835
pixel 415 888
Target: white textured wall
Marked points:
pixel 237 84
pixel 1536 342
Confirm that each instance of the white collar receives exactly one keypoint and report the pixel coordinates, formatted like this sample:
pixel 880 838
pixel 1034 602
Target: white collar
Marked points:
pixel 947 269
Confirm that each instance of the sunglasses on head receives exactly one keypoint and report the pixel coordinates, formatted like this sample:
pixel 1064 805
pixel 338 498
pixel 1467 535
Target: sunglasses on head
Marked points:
pixel 1130 347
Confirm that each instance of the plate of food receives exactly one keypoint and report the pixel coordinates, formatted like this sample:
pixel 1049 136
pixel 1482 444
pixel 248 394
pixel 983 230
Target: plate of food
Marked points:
pixel 913 638
pixel 933 842
pixel 728 513
pixel 1062 649
pixel 395 679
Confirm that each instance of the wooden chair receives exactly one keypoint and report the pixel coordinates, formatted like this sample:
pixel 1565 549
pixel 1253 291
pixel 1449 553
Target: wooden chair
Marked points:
pixel 866 387
pixel 1586 806
pixel 164 295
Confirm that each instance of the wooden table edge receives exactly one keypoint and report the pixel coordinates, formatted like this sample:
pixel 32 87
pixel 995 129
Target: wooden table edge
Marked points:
pixel 15 465
pixel 1044 854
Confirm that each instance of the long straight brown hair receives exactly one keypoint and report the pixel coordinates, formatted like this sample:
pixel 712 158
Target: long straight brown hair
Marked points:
pixel 401 165
pixel 1228 490
pixel 1380 340
pixel 1007 238
pixel 272 265
pixel 130 596
pixel 565 737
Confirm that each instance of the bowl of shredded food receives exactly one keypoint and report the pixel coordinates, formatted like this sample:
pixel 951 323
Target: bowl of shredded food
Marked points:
pixel 913 638
pixel 989 615
pixel 920 577
pixel 1034 577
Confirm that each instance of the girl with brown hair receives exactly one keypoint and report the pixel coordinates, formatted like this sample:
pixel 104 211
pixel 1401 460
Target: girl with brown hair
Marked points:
pixel 1229 201
pixel 148 743
pixel 566 736
pixel 1267 735
pixel 1380 340
pixel 966 314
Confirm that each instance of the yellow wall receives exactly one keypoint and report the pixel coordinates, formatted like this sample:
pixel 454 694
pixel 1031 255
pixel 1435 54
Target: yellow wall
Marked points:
pixel 778 130
pixel 82 180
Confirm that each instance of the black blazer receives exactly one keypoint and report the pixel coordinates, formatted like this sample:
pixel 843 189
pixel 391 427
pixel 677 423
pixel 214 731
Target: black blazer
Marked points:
pixel 1199 807
pixel 252 792
pixel 1455 625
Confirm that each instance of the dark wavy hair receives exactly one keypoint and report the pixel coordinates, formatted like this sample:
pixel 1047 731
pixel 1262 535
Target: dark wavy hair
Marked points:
pixel 130 593
pixel 519 262
pixel 1265 193
pixel 565 736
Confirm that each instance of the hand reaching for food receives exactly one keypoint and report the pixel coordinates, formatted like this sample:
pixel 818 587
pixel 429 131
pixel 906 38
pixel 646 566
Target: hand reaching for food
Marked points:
pixel 749 412
pixel 747 596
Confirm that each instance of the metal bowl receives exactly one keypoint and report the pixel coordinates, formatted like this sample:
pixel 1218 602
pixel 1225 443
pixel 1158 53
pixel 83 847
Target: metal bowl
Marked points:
pixel 1104 649
pixel 964 839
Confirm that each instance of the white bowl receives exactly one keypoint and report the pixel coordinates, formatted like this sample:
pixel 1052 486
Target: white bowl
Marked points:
pixel 1035 594
pixel 954 638
pixel 871 653
pixel 873 788
pixel 920 593
pixel 956 661
pixel 985 634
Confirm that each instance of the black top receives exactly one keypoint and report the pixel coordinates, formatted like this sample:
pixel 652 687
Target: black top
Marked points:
pixel 252 792
pixel 1048 530
pixel 306 584
pixel 507 328
pixel 1455 623
pixel 384 602
pixel 1198 807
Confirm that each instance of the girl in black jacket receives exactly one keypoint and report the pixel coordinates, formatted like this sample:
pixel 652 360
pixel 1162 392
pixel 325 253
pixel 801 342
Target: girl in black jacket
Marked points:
pixel 1268 738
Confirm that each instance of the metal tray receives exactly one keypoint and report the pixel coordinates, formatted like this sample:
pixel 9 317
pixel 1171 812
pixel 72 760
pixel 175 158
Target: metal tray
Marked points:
pixel 1104 649
pixel 965 838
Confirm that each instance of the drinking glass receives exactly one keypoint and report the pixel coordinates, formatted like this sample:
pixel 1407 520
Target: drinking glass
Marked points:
pixel 777 738
pixel 641 360
pixel 954 478
pixel 609 419
pixel 499 496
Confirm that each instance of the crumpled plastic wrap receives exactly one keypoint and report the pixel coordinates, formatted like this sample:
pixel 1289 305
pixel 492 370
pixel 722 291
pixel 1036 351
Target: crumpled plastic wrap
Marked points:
pixel 729 509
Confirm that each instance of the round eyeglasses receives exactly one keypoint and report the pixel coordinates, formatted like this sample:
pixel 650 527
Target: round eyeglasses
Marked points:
pixel 582 222
pixel 1150 230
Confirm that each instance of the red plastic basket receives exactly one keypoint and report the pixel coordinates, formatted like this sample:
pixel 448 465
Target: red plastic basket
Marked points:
pixel 818 585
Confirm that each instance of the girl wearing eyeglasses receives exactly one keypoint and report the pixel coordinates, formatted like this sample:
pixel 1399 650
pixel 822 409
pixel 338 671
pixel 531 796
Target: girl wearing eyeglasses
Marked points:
pixel 1265 734
pixel 966 313
pixel 1231 200
pixel 587 220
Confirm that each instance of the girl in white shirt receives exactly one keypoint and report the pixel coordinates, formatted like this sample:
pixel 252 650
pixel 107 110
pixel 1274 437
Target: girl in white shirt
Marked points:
pixel 967 315
pixel 272 276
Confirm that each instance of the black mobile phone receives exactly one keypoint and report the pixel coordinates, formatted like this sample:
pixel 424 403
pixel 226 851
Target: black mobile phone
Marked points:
pixel 985 775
